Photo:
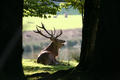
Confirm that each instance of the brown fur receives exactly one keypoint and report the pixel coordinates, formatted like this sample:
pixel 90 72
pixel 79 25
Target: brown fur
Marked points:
pixel 48 55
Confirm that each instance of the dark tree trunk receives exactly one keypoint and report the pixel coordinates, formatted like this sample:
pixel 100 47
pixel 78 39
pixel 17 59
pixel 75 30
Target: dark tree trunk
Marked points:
pixel 100 45
pixel 11 40
pixel 107 42
pixel 90 27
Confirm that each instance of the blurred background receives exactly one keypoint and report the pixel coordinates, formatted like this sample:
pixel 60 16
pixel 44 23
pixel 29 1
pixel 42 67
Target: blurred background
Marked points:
pixel 33 43
pixel 69 20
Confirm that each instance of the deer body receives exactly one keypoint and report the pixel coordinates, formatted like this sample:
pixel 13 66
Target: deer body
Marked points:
pixel 46 58
pixel 48 55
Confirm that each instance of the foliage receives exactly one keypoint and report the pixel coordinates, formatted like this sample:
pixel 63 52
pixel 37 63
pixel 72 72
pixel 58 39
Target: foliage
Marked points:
pixel 76 4
pixel 71 43
pixel 36 47
pixel 59 0
pixel 42 7
pixel 27 49
pixel 39 8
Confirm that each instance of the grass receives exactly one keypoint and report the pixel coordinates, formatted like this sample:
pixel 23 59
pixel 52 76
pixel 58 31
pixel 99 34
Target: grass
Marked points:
pixel 73 21
pixel 31 67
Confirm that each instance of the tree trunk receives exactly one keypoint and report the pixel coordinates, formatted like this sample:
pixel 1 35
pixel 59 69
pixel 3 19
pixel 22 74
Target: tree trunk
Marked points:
pixel 100 45
pixel 107 42
pixel 90 27
pixel 11 40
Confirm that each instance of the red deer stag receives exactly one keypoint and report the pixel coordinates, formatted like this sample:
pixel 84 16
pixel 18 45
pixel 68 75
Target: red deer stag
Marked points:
pixel 48 55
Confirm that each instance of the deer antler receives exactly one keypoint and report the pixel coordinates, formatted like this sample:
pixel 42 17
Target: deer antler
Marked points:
pixel 52 34
pixel 59 34
pixel 43 27
pixel 39 32
pixel 54 31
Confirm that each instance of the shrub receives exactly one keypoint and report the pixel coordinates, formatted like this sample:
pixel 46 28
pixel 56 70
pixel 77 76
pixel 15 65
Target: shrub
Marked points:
pixel 74 54
pixel 27 49
pixel 71 43
pixel 36 48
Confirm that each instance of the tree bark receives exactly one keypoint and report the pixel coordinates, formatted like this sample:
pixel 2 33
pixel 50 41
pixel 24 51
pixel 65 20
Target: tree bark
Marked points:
pixel 100 45
pixel 107 42
pixel 11 40
pixel 90 26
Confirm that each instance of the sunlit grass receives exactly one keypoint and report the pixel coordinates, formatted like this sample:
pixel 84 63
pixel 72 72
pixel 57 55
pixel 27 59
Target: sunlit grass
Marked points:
pixel 30 66
pixel 73 21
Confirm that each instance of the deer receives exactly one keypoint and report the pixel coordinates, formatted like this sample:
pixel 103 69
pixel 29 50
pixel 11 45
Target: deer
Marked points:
pixel 48 55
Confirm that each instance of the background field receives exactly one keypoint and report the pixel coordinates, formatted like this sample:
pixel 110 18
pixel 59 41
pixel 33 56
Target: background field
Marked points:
pixel 72 32
pixel 33 43
pixel 60 22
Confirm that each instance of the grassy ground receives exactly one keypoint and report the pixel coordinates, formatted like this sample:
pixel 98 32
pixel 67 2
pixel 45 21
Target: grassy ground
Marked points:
pixel 73 21
pixel 30 66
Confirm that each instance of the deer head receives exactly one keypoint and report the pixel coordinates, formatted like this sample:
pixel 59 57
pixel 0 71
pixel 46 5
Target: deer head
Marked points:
pixel 52 36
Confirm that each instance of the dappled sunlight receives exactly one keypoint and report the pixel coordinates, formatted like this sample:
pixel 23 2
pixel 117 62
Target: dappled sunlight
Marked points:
pixel 30 66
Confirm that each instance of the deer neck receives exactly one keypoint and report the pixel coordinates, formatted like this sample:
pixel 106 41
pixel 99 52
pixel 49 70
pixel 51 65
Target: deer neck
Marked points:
pixel 52 47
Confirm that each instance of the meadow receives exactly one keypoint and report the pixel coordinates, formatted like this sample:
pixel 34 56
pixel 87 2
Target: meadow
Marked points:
pixel 31 67
pixel 32 42
pixel 60 22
